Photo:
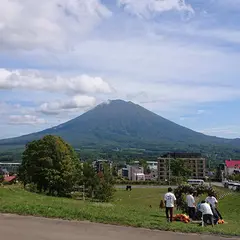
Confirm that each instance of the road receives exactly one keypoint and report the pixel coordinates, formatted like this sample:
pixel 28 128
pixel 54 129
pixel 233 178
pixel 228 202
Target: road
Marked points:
pixel 217 184
pixel 28 228
pixel 143 186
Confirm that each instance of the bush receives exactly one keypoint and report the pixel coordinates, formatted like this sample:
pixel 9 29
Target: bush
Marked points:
pixel 1 178
pixel 31 187
pixel 235 177
pixel 182 190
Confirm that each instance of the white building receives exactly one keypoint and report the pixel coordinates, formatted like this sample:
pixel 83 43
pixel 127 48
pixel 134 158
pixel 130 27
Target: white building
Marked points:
pixel 10 167
pixel 152 165
pixel 138 177
pixel 232 167
pixel 135 173
pixel 152 176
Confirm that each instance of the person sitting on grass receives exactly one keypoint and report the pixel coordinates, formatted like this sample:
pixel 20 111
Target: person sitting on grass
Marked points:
pixel 213 202
pixel 170 201
pixel 207 213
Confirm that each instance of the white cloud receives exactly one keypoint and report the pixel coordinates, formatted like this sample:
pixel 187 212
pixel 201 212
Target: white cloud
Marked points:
pixel 75 104
pixel 26 120
pixel 28 25
pixel 148 8
pixel 14 109
pixel 200 111
pixel 231 131
pixel 167 94
pixel 36 80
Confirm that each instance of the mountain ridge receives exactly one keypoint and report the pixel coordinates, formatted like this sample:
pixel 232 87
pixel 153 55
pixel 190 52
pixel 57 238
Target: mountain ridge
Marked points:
pixel 118 122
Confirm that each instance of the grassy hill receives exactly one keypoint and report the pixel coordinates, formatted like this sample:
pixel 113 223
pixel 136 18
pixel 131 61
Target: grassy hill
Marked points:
pixel 128 208
pixel 127 125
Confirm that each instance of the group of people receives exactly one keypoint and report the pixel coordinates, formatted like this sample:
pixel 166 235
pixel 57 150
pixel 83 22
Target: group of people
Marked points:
pixel 207 209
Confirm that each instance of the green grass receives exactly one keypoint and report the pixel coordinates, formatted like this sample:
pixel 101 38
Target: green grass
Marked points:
pixel 128 208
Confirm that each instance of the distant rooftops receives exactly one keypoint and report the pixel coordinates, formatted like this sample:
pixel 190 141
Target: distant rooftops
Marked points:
pixel 9 163
pixel 233 163
pixel 9 178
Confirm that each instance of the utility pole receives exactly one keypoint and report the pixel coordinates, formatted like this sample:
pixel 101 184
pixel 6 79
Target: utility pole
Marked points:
pixel 83 192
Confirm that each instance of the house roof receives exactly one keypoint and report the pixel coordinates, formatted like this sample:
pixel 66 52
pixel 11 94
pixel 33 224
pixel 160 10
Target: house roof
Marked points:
pixel 9 178
pixel 232 163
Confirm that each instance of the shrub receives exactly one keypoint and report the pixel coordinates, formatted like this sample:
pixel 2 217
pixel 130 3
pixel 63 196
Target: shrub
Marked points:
pixel 198 190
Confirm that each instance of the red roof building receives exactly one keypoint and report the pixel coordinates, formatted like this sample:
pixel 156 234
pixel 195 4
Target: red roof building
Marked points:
pixel 9 179
pixel 232 163
pixel 232 166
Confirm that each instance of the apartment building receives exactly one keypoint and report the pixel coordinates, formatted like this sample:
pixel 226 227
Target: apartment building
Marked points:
pixel 99 165
pixel 135 173
pixel 194 161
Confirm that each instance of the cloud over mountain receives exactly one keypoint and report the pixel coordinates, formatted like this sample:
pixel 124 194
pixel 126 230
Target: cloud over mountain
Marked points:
pixel 36 80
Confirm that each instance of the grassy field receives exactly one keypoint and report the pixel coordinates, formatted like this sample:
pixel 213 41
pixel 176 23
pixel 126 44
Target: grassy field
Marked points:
pixel 128 208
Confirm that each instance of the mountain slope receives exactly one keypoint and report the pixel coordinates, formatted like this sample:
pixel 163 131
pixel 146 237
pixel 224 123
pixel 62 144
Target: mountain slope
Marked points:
pixel 121 123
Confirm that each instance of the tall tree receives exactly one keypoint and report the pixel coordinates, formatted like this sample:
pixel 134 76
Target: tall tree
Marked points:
pixel 89 179
pixel 143 163
pixel 179 168
pixel 51 164
pixel 105 190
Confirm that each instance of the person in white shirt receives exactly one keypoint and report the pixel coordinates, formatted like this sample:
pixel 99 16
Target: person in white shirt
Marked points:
pixel 207 213
pixel 191 205
pixel 213 202
pixel 170 201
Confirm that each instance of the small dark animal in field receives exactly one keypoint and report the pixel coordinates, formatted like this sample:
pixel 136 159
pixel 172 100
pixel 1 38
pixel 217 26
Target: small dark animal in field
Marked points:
pixel 150 206
pixel 129 188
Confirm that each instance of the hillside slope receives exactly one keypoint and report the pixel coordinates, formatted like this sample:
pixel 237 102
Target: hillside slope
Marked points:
pixel 123 124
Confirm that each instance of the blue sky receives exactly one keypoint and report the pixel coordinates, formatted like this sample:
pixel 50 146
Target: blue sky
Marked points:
pixel 180 59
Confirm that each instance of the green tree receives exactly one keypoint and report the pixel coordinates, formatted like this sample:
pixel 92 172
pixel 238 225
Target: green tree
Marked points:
pixel 143 163
pixel 179 169
pixel 89 179
pixel 219 173
pixel 99 186
pixel 115 170
pixel 51 164
pixel 105 190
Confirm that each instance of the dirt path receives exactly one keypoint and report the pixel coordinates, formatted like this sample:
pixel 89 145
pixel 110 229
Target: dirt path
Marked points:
pixel 14 227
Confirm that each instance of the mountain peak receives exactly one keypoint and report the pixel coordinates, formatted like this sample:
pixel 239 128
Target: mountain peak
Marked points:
pixel 115 101
pixel 121 123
